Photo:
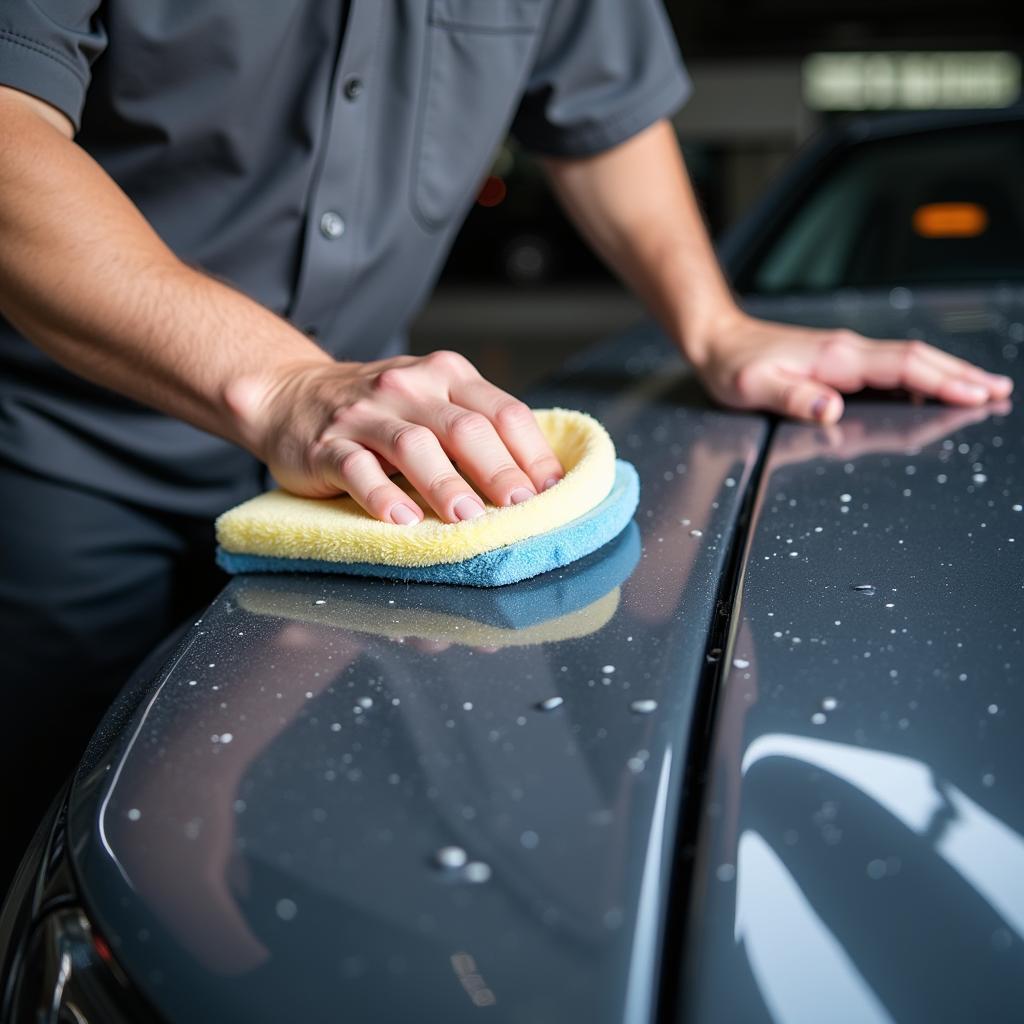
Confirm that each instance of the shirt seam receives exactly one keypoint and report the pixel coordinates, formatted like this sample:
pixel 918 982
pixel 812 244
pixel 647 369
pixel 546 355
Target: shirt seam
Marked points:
pixel 606 134
pixel 33 45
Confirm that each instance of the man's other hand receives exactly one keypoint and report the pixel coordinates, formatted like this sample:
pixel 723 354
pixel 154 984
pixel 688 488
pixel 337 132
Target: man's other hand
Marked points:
pixel 324 428
pixel 802 372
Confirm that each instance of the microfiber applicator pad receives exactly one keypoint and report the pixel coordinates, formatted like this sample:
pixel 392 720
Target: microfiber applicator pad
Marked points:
pixel 591 504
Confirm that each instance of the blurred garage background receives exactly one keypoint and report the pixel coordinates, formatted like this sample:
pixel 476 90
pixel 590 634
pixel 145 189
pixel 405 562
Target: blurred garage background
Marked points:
pixel 520 292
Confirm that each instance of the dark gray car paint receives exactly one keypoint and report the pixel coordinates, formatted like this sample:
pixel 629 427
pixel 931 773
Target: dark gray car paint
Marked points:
pixel 862 843
pixel 258 845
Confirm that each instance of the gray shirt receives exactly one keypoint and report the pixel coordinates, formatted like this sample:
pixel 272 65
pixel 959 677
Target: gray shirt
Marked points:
pixel 319 156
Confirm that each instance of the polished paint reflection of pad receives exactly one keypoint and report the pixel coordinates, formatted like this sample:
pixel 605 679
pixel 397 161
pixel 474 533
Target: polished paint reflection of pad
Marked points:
pixel 554 608
pixel 278 532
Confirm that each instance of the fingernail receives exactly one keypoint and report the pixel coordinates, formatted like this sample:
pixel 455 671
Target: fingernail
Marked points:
pixel 550 482
pixel 468 508
pixel 402 515
pixel 818 407
pixel 975 392
pixel 519 495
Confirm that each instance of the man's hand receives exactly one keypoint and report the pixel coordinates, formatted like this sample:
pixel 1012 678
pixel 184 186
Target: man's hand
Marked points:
pixel 635 205
pixel 802 372
pixel 324 428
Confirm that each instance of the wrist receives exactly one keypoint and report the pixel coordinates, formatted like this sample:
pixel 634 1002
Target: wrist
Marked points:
pixel 256 403
pixel 702 337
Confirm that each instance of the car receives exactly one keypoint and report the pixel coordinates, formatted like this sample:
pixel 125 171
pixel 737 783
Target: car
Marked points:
pixel 758 759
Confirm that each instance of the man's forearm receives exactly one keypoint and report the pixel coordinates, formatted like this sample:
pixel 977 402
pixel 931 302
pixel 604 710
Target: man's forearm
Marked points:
pixel 635 206
pixel 84 276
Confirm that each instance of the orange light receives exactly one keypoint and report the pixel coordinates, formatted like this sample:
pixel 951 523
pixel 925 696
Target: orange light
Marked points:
pixel 493 192
pixel 950 220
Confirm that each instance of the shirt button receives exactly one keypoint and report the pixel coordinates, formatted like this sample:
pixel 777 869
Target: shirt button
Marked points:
pixel 353 88
pixel 332 225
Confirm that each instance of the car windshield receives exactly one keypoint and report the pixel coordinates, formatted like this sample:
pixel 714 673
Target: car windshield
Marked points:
pixel 939 207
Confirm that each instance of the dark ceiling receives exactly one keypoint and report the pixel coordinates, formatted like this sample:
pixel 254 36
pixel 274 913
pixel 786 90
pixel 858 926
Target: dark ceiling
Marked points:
pixel 749 28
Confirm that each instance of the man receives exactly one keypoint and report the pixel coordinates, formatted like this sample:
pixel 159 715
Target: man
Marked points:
pixel 216 219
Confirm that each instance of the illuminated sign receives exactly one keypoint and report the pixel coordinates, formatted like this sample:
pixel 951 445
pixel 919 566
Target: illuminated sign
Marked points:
pixel 910 81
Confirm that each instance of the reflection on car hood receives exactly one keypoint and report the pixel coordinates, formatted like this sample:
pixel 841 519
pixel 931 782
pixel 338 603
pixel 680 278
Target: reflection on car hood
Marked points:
pixel 863 841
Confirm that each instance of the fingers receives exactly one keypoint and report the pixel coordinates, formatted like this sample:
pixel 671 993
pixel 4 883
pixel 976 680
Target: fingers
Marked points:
pixel 516 427
pixel 415 450
pixel 471 440
pixel 353 468
pixel 851 362
pixel 768 386
pixel 433 419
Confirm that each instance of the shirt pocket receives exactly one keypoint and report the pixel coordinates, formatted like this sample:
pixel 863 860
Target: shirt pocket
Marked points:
pixel 478 57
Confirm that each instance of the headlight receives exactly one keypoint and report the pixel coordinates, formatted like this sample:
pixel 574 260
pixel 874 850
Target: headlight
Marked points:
pixel 65 975
pixel 61 970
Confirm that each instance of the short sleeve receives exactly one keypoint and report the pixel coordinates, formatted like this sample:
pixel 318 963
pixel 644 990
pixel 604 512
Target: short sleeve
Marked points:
pixel 605 70
pixel 48 47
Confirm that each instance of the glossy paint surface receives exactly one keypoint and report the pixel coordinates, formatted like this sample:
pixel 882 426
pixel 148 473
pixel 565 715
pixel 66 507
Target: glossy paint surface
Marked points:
pixel 862 844
pixel 262 840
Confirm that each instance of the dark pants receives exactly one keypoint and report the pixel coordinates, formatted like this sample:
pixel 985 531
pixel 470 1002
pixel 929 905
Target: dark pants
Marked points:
pixel 88 586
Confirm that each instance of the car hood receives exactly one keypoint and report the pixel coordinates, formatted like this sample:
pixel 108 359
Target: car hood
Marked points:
pixel 258 837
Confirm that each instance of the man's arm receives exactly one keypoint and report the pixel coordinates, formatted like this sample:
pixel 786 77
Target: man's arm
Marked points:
pixel 85 277
pixel 635 205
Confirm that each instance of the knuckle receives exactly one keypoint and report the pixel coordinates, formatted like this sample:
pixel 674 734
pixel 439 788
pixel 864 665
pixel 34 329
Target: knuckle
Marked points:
pixel 506 475
pixel 353 462
pixel 913 352
pixel 410 439
pixel 837 344
pixel 378 498
pixel 790 399
pixel 544 463
pixel 445 481
pixel 448 361
pixel 467 426
pixel 393 379
pixel 745 380
pixel 513 415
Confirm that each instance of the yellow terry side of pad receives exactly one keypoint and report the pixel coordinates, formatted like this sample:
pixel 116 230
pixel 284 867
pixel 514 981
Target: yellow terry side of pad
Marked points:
pixel 281 525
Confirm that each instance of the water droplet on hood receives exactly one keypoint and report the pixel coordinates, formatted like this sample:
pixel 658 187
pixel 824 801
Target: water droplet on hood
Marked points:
pixel 550 703
pixel 644 707
pixel 451 858
pixel 477 872
pixel 286 909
